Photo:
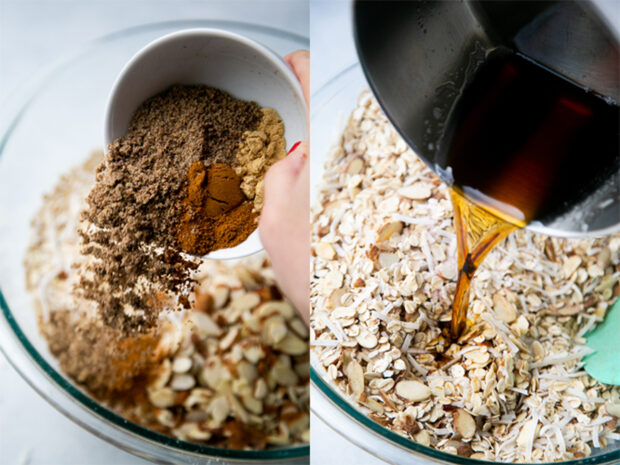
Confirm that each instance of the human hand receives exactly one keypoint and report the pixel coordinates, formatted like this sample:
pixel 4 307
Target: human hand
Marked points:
pixel 284 224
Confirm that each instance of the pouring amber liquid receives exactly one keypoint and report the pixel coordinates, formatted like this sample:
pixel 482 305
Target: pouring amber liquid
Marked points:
pixel 523 144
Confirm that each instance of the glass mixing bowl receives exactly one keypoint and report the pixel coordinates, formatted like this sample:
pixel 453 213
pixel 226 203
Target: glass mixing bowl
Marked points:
pixel 48 128
pixel 330 109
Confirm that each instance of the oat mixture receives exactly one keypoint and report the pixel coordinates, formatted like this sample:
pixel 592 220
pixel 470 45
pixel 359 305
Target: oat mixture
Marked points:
pixel 231 372
pixel 384 270
pixel 144 226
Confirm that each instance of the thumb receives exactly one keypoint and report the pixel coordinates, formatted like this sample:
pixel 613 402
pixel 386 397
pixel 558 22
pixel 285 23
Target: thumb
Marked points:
pixel 285 172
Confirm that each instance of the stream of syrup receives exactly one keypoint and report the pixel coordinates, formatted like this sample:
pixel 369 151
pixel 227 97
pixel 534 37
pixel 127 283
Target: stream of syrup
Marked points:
pixel 522 144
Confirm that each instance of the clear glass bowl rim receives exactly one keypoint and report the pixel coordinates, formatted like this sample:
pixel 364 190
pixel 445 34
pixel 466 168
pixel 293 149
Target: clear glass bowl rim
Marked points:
pixel 322 96
pixel 18 105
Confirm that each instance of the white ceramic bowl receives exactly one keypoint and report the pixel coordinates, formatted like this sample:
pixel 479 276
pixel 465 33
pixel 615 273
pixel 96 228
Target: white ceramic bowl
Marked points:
pixel 217 58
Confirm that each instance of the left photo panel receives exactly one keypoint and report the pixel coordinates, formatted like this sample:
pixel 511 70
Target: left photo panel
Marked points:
pixel 154 232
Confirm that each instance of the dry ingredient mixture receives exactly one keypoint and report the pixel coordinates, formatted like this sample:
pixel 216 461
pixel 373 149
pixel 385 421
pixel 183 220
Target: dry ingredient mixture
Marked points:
pixel 230 372
pixel 185 178
pixel 512 388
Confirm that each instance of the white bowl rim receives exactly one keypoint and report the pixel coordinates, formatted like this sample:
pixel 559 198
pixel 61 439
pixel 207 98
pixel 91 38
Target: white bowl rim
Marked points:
pixel 206 32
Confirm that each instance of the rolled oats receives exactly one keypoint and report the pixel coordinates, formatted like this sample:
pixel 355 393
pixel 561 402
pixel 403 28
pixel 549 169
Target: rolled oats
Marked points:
pixel 513 387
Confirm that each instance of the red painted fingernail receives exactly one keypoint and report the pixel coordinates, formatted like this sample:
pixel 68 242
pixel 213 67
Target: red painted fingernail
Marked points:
pixel 295 145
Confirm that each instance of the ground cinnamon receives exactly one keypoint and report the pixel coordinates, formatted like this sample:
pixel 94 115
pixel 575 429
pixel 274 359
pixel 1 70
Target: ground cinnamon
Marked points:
pixel 218 214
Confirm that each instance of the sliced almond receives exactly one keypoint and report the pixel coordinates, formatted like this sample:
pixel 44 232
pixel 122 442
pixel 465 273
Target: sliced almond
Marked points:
pixel 280 307
pixel 230 337
pixel 388 230
pixel 464 424
pixel 613 409
pixel 274 330
pixel 163 375
pixel 218 409
pixel 570 265
pixel 247 371
pixel 195 433
pixel 335 298
pixel 448 270
pixel 237 408
pixel 388 259
pixel 162 398
pixel 505 310
pixel 423 437
pixel 567 310
pixel 260 389
pixel 253 405
pixel 204 324
pixel 182 382
pixel 367 340
pixel 355 166
pixel 181 365
pixel 283 375
pixel 527 435
pixel 214 374
pixel 292 345
pixel 253 353
pixel 416 192
pixel 333 279
pixel 165 417
pixel 245 302
pixel 299 327
pixel 197 396
pixel 355 374
pixel 220 296
pixel 325 251
pixel 413 391
pixel 538 351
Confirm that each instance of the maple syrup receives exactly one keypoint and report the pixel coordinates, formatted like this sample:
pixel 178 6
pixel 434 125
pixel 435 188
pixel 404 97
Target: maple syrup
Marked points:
pixel 522 144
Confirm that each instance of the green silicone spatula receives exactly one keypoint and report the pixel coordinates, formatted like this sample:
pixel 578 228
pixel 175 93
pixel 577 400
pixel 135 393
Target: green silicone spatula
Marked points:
pixel 604 363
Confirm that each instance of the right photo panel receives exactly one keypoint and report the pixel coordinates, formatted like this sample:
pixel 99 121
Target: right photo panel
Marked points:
pixel 465 232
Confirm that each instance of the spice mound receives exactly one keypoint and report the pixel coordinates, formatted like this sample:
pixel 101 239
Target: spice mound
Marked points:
pixel 217 215
pixel 231 371
pixel 384 270
pixel 185 180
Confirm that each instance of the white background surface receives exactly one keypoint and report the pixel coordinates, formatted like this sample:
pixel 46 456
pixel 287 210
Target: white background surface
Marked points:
pixel 34 34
